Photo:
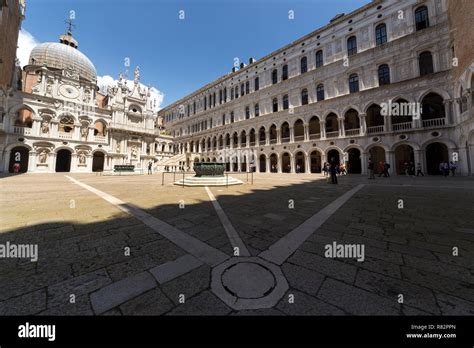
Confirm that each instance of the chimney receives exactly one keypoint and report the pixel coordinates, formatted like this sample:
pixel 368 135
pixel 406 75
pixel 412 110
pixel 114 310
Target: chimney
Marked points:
pixel 251 60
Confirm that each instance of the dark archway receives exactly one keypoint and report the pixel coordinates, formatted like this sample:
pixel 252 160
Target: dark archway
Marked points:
pixel 300 161
pixel 98 162
pixel 315 158
pixel 20 155
pixel 63 161
pixel 273 163
pixel 377 155
pixel 285 163
pixel 354 164
pixel 436 153
pixel 333 156
pixel 262 163
pixel 403 154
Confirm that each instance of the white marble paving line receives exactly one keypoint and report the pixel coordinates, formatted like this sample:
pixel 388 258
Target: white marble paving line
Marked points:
pixel 232 234
pixel 200 250
pixel 287 245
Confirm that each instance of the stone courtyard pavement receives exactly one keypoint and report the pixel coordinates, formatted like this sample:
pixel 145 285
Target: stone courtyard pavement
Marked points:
pixel 417 234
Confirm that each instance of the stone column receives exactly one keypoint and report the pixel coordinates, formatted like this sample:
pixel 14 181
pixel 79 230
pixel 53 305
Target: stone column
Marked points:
pixel 342 130
pixel 267 164
pixel 390 158
pixel 279 164
pixel 418 159
pixel 35 129
pixel 365 162
pixel 239 141
pixel 447 110
pixel 31 161
pixel 54 129
pixel 307 164
pixel 267 137
pixel 278 136
pixel 388 123
pixel 77 131
pixel 247 143
pixel 292 134
pixel 322 126
pixel 306 132
pixel 363 123
pixel 292 164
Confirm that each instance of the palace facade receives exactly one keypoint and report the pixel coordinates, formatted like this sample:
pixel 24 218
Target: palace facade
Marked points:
pixel 55 119
pixel 391 81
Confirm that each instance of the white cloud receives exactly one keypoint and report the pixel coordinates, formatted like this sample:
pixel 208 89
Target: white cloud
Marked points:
pixel 105 81
pixel 26 42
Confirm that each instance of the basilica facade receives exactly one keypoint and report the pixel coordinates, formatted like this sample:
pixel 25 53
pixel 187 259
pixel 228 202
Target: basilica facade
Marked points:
pixel 387 82
pixel 55 119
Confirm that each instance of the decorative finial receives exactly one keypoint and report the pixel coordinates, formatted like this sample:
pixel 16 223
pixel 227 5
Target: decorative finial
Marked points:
pixel 70 25
pixel 137 74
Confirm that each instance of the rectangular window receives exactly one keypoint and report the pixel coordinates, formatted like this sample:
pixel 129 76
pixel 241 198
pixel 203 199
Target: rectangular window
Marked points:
pixel 257 85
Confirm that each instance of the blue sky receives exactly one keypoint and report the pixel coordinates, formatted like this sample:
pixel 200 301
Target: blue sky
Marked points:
pixel 179 56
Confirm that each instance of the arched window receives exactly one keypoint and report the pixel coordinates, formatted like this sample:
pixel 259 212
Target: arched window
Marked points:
pixel 421 18
pixel 247 87
pixel 225 95
pixel 353 83
pixel 320 92
pixel 231 93
pixel 285 102
pixel 319 59
pixel 231 117
pixel 220 96
pixel 236 92
pixel 284 72
pixel 223 119
pixel 425 61
pixel 304 97
pixel 384 75
pixel 380 34
pixel 213 99
pixel 256 84
pixel 351 46
pixel 247 112
pixel 275 104
pixel 242 89
pixel 274 76
pixel 257 110
pixel 303 65
pixel 205 103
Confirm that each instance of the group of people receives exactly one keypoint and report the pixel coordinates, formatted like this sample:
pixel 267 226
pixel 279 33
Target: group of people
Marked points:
pixel 340 169
pixel 383 169
pixel 445 168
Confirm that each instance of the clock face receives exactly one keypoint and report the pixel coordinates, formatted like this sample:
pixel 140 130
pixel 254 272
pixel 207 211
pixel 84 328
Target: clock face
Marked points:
pixel 69 91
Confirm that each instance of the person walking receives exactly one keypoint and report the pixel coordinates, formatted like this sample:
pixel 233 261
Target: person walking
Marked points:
pixel 150 164
pixel 418 170
pixel 381 169
pixel 16 168
pixel 386 167
pixel 333 171
pixel 446 169
pixel 298 169
pixel 452 167
pixel 371 169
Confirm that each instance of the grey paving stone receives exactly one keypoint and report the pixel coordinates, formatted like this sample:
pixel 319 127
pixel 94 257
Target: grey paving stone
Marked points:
pixel 153 302
pixel 119 292
pixel 173 269
pixel 356 301
pixel 205 303
pixel 27 304
pixel 82 306
pixel 410 250
pixel 302 279
pixel 132 265
pixel 330 267
pixel 451 305
pixel 441 268
pixel 59 293
pixel 306 305
pixel 188 284
pixel 434 281
pixel 258 312
pixel 413 295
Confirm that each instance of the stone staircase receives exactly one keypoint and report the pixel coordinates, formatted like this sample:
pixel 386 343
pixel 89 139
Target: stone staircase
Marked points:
pixel 171 162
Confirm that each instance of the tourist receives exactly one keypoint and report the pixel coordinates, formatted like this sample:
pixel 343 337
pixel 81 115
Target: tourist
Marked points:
pixel 16 168
pixel 386 167
pixel 325 169
pixel 371 169
pixel 150 164
pixel 333 171
pixel 418 170
pixel 406 166
pixel 298 169
pixel 446 169
pixel 452 167
pixel 441 167
pixel 381 169
pixel 342 169
pixel 412 168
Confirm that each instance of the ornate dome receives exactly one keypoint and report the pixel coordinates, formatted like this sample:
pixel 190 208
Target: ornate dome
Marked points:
pixel 63 55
